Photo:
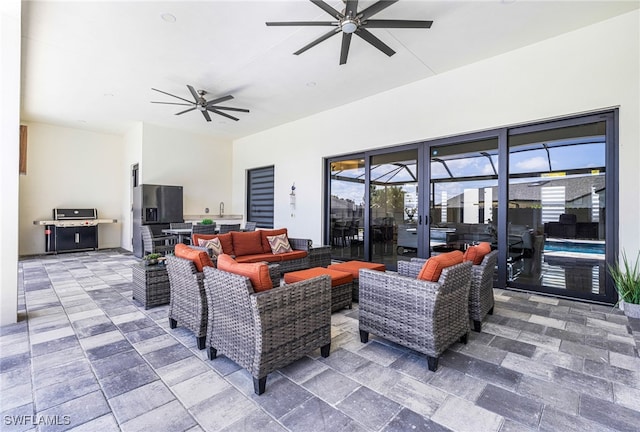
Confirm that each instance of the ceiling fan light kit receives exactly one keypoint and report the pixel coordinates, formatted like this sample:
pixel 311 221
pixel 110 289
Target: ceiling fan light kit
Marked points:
pixel 350 21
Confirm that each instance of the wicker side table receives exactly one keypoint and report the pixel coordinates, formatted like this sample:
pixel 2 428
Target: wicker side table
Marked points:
pixel 150 285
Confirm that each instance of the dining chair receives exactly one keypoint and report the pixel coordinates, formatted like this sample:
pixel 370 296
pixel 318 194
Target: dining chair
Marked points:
pixel 250 226
pixel 153 243
pixel 225 228
pixel 203 229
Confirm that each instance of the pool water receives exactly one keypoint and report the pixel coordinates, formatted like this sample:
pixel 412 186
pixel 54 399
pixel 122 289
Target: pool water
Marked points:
pixel 568 246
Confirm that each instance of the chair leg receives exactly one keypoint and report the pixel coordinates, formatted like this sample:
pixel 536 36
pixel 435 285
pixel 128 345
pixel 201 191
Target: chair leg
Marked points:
pixel 477 325
pixel 201 342
pixel 490 311
pixel 432 362
pixel 464 338
pixel 324 350
pixel 172 323
pixel 212 353
pixel 364 336
pixel 259 385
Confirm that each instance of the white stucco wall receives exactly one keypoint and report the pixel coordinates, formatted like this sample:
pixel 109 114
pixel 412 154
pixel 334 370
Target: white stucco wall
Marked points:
pixel 200 164
pixel 589 69
pixel 9 155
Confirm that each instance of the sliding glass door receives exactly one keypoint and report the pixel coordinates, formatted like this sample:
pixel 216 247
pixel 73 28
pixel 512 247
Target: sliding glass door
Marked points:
pixel 542 194
pixel 346 208
pixel 557 209
pixel 393 206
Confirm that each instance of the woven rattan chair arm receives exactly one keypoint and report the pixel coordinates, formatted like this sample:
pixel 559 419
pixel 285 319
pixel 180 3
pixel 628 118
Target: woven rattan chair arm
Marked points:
pixel 300 244
pixel 409 268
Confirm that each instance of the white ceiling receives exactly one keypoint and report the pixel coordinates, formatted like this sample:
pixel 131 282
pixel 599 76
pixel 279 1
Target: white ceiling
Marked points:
pixel 91 65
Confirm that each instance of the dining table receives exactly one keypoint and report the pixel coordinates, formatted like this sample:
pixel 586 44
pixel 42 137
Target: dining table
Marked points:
pixel 182 233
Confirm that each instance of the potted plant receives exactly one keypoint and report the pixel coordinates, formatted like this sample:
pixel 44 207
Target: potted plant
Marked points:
pixel 626 278
pixel 206 222
pixel 151 259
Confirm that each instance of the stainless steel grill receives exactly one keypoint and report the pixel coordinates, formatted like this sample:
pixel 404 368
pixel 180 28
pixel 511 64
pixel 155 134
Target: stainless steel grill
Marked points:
pixel 72 230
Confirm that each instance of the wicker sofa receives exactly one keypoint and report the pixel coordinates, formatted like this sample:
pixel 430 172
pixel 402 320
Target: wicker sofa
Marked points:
pixel 267 330
pixel 425 316
pixel 481 299
pixel 253 246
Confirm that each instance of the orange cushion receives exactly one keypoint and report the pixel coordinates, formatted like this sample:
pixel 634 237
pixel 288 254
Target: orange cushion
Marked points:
pixel 477 253
pixel 246 243
pixel 354 267
pixel 266 248
pixel 337 277
pixel 200 258
pixel 259 258
pixel 258 273
pixel 432 269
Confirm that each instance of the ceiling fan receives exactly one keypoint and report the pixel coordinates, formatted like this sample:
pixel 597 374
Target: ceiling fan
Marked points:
pixel 350 21
pixel 203 105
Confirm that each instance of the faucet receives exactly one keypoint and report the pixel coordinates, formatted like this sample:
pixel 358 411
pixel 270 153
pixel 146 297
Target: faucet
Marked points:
pixel 221 208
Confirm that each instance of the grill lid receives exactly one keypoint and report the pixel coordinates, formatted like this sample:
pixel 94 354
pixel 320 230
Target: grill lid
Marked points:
pixel 74 214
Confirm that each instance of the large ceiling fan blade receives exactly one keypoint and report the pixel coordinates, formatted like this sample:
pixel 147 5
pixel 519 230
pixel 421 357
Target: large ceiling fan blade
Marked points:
pixel 229 108
pixel 317 41
pixel 397 24
pixel 206 115
pixel 375 8
pixel 344 52
pixel 328 9
pixel 222 114
pixel 174 103
pixel 178 97
pixel 369 37
pixel 302 23
pixel 186 111
pixel 218 100
pixel 351 9
pixel 194 93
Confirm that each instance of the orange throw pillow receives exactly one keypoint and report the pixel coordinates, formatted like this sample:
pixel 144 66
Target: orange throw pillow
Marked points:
pixel 200 258
pixel 258 273
pixel 432 269
pixel 477 253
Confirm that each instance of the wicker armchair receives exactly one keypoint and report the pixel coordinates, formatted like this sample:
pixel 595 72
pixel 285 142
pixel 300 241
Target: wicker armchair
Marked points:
pixel 187 301
pixel 268 330
pixel 425 316
pixel 481 292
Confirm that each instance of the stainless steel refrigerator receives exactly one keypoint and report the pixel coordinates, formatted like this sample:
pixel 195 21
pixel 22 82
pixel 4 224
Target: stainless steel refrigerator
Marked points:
pixel 156 206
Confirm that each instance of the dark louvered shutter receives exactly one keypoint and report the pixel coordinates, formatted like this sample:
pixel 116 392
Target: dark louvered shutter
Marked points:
pixel 260 196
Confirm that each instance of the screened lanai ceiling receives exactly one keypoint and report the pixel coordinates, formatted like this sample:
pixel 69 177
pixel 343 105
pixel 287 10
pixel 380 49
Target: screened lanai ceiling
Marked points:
pixel 558 157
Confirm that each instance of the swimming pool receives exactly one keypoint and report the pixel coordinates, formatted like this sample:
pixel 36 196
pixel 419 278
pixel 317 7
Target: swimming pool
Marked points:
pixel 574 246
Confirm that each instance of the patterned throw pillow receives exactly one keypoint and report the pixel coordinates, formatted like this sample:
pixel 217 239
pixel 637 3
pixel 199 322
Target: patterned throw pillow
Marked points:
pixel 279 244
pixel 215 246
